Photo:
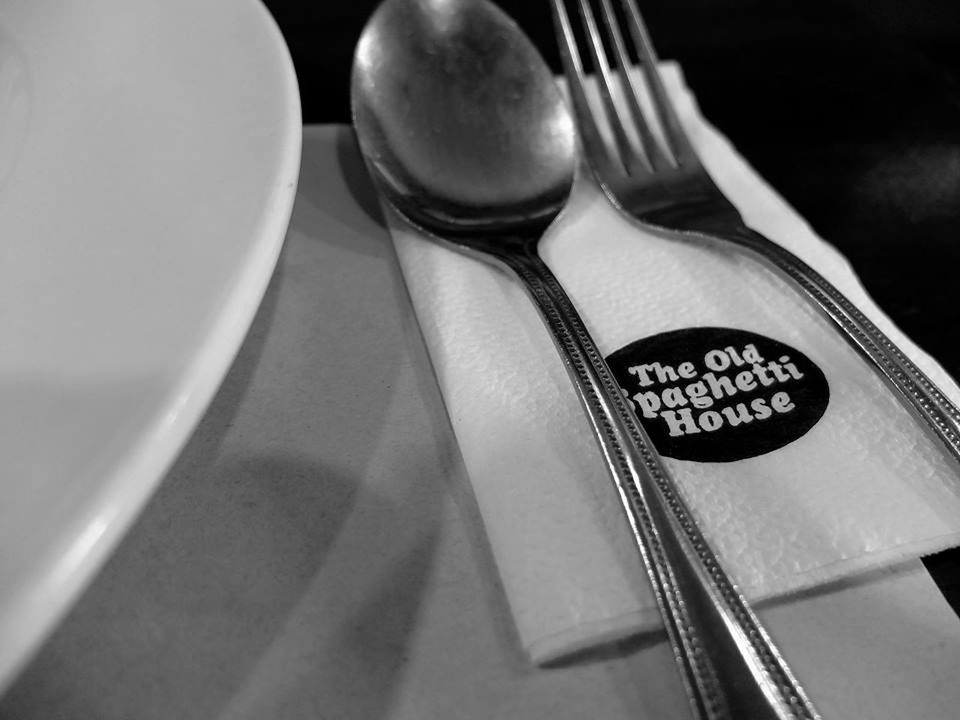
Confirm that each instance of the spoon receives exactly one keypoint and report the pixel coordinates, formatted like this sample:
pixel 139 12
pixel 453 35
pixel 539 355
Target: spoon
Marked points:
pixel 466 136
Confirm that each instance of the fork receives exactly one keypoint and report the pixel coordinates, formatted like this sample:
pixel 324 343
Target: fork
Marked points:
pixel 663 186
pixel 735 671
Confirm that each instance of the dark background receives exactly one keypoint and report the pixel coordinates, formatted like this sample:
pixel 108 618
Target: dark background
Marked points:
pixel 850 109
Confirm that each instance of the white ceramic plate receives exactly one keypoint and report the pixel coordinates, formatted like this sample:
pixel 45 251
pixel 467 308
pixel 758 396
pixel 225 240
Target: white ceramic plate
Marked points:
pixel 149 152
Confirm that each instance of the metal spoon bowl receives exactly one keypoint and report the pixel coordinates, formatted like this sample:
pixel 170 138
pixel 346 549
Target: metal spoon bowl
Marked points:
pixel 421 77
pixel 466 135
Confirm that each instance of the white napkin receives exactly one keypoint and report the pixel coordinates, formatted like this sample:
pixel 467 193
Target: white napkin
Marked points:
pixel 864 487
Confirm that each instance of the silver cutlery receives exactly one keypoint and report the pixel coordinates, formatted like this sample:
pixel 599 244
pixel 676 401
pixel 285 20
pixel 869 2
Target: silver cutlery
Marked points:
pixel 665 187
pixel 466 136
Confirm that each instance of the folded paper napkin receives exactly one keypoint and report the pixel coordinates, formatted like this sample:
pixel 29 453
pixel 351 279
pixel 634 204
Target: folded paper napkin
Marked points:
pixel 861 487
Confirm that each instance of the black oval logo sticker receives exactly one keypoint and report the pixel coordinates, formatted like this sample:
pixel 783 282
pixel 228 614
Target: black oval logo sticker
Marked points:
pixel 718 394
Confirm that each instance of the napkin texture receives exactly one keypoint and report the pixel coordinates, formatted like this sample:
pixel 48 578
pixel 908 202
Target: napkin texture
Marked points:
pixel 863 488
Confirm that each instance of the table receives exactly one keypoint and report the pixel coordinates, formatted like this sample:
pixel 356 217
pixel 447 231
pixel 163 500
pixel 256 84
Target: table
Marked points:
pixel 313 552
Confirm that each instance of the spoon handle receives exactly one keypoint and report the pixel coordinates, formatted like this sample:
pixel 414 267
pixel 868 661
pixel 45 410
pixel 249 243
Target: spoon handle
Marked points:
pixel 728 662
pixel 917 391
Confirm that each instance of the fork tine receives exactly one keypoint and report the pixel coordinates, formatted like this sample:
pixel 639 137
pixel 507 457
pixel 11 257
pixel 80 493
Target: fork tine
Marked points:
pixel 628 154
pixel 651 147
pixel 590 135
pixel 676 138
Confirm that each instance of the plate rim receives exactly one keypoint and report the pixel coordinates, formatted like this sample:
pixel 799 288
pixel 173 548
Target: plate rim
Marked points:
pixel 33 610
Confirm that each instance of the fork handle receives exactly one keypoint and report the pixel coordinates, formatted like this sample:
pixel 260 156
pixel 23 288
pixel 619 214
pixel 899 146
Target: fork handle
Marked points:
pixel 728 662
pixel 915 390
